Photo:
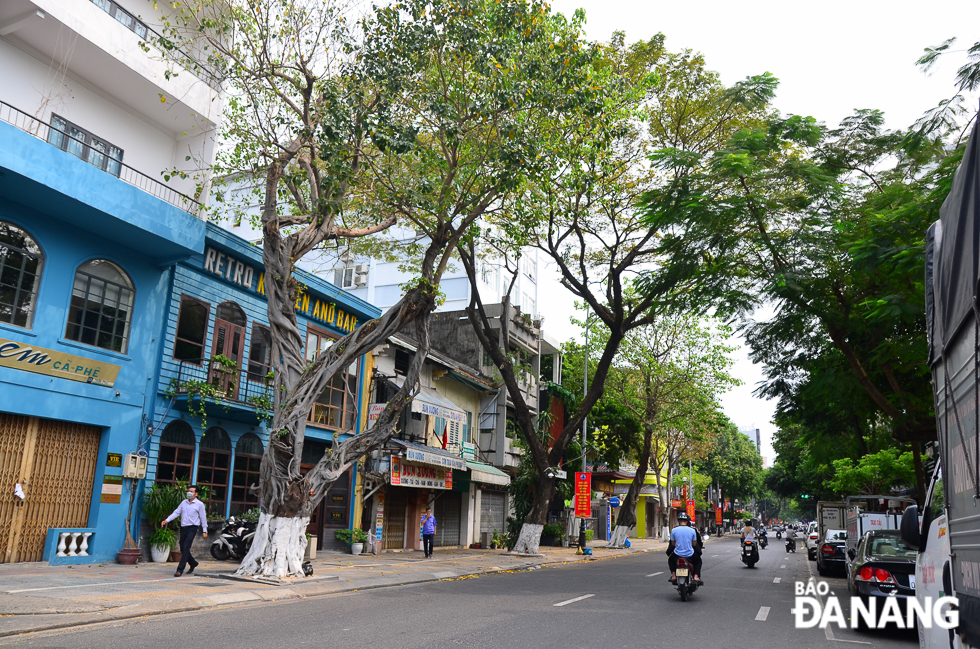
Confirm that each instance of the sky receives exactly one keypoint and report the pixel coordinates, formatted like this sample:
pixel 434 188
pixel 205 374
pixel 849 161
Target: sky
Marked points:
pixel 831 57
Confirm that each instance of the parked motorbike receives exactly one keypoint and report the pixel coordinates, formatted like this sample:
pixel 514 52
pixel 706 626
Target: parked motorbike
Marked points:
pixel 234 540
pixel 791 545
pixel 686 584
pixel 750 553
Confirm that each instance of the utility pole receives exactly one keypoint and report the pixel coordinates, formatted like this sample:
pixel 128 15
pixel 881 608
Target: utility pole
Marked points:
pixel 585 388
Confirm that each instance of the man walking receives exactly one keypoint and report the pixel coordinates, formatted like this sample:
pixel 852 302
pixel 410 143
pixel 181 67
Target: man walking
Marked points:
pixel 428 531
pixel 192 515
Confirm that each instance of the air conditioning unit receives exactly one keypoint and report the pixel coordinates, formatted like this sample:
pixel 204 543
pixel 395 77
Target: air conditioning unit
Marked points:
pixel 360 280
pixel 361 269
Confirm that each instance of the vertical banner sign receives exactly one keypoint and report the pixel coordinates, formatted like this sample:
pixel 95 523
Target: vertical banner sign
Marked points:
pixel 380 519
pixel 583 495
pixel 608 522
pixel 718 516
pixel 690 510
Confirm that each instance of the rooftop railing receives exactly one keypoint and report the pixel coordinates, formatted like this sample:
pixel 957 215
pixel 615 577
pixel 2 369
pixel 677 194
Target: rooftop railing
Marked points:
pixel 41 130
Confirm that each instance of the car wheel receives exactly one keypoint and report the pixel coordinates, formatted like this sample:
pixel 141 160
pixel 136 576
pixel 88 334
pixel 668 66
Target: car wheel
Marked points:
pixel 820 570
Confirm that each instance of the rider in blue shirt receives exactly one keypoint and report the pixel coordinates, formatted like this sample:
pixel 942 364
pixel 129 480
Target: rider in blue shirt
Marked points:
pixel 684 542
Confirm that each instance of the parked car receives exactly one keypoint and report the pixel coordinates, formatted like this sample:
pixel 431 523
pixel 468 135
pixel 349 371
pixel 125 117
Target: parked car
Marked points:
pixel 832 552
pixel 810 538
pixel 881 566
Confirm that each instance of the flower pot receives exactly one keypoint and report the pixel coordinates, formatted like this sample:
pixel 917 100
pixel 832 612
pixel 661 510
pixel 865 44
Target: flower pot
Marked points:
pixel 175 556
pixel 128 556
pixel 356 548
pixel 160 553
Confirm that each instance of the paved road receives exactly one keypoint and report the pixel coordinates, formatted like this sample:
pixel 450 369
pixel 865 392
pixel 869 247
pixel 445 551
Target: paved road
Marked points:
pixel 624 602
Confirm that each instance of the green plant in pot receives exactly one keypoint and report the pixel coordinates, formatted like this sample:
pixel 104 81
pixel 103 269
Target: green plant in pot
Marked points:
pixel 551 534
pixel 355 538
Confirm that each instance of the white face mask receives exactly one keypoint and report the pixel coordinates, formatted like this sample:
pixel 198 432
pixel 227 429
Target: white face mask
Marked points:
pixel 190 495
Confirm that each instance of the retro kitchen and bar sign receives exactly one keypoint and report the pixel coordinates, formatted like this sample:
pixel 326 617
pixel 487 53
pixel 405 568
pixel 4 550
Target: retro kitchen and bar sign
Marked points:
pixel 38 360
pixel 407 474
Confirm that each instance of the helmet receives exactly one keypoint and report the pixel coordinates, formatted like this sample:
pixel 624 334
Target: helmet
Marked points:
pixel 682 517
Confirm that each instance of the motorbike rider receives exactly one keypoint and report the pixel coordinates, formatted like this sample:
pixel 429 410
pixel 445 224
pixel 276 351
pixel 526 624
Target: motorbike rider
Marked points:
pixel 685 541
pixel 748 532
pixel 790 538
pixel 763 536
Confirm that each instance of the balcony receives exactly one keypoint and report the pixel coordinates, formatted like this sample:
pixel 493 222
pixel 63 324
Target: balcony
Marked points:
pixel 230 392
pixel 44 131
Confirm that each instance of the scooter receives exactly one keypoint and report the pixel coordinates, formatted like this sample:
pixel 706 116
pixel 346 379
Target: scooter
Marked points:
pixel 779 534
pixel 686 584
pixel 234 540
pixel 791 545
pixel 750 553
pixel 763 542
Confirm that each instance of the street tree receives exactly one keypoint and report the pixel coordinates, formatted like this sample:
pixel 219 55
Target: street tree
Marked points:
pixel 734 464
pixel 582 215
pixel 876 473
pixel 344 129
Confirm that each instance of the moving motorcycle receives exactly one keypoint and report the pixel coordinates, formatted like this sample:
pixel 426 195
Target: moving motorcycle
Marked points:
pixel 750 553
pixel 686 584
pixel 791 545
pixel 779 534
pixel 234 541
pixel 763 541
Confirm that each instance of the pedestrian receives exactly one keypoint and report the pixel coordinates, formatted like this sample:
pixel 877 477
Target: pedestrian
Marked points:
pixel 192 516
pixel 428 531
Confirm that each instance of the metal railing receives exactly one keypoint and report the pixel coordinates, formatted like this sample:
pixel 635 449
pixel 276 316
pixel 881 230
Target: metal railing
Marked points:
pixel 235 385
pixel 41 130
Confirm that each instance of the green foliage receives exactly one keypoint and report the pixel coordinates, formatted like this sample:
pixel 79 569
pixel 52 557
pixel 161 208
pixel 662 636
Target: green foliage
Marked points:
pixel 163 536
pixel 589 535
pixel 356 535
pixel 553 530
pixel 250 516
pixel 734 464
pixel 877 473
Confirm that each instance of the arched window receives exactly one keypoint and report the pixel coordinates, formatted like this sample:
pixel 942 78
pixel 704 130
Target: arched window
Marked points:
pixel 228 341
pixel 231 312
pixel 213 463
pixel 21 260
pixel 248 459
pixel 101 306
pixel 176 459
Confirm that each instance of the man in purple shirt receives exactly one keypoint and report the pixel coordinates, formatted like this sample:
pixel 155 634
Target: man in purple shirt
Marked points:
pixel 192 515
pixel 428 531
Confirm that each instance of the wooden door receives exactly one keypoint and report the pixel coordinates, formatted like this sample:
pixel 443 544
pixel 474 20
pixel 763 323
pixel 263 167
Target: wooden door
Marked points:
pixel 229 339
pixel 335 508
pixel 55 464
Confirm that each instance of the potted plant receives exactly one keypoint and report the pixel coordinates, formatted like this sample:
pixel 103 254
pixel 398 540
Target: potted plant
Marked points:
pixel 159 501
pixel 355 538
pixel 551 535
pixel 162 541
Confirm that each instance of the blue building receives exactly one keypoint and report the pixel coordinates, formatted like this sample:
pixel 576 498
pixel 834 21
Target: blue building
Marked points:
pixel 217 342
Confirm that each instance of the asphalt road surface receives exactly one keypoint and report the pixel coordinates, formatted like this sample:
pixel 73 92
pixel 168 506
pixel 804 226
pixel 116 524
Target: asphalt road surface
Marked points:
pixel 624 602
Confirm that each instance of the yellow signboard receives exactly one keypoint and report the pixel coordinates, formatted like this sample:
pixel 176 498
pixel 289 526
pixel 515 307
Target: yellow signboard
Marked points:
pixel 31 358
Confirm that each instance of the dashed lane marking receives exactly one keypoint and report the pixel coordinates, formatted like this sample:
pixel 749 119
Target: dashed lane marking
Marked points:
pixel 783 566
pixel 776 580
pixel 655 574
pixel 576 599
pixel 762 614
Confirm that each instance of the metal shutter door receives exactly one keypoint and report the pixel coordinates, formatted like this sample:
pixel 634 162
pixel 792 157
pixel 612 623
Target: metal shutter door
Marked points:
pixel 492 511
pixel 393 535
pixel 447 510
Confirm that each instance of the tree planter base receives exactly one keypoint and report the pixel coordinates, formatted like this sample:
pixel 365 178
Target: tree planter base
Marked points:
pixel 356 548
pixel 128 556
pixel 175 556
pixel 160 553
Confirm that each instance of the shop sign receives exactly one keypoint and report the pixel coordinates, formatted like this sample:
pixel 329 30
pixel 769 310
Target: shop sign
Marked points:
pixel 227 267
pixel 645 490
pixel 38 360
pixel 407 474
pixel 583 495
pixel 379 519
pixel 676 504
pixel 435 459
pixel 690 509
pixel 435 410
pixel 114 460
pixel 112 489
pixel 374 411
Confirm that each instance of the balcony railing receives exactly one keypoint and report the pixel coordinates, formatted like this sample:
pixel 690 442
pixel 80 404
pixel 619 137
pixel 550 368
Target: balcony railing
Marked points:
pixel 41 130
pixel 234 385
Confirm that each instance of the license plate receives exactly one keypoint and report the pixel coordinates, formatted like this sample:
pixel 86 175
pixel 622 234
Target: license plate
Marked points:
pixel 911 581
pixel 682 572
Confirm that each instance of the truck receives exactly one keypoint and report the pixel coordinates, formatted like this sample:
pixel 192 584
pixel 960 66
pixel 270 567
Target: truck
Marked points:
pixel 946 531
pixel 830 516
pixel 864 514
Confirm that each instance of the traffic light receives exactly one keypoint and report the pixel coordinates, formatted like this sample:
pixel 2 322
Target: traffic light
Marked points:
pixel 805 496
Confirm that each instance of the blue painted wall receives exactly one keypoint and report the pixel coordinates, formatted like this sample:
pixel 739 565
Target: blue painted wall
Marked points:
pixel 76 213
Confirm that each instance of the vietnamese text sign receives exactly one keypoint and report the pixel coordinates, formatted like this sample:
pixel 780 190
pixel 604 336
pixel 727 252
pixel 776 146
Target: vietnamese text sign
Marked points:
pixel 435 459
pixel 111 489
pixel 718 516
pixel 676 504
pixel 407 474
pixel 374 411
pixel 690 509
pixel 583 495
pixel 38 360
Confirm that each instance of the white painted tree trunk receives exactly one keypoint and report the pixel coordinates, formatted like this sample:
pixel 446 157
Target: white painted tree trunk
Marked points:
pixel 529 540
pixel 618 537
pixel 277 549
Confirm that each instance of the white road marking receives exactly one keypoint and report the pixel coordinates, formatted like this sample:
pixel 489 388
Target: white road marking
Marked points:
pixel 783 566
pixel 776 580
pixel 762 614
pixel 108 583
pixel 714 555
pixel 577 599
pixel 655 574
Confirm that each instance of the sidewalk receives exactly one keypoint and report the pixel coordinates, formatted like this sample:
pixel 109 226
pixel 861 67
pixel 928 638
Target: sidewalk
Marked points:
pixel 36 596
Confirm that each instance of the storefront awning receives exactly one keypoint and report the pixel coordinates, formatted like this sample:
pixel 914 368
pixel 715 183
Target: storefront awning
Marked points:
pixel 430 455
pixel 480 472
pixel 430 402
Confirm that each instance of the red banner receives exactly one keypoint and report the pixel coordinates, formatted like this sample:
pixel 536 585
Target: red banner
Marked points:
pixel 583 495
pixel 718 516
pixel 690 509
